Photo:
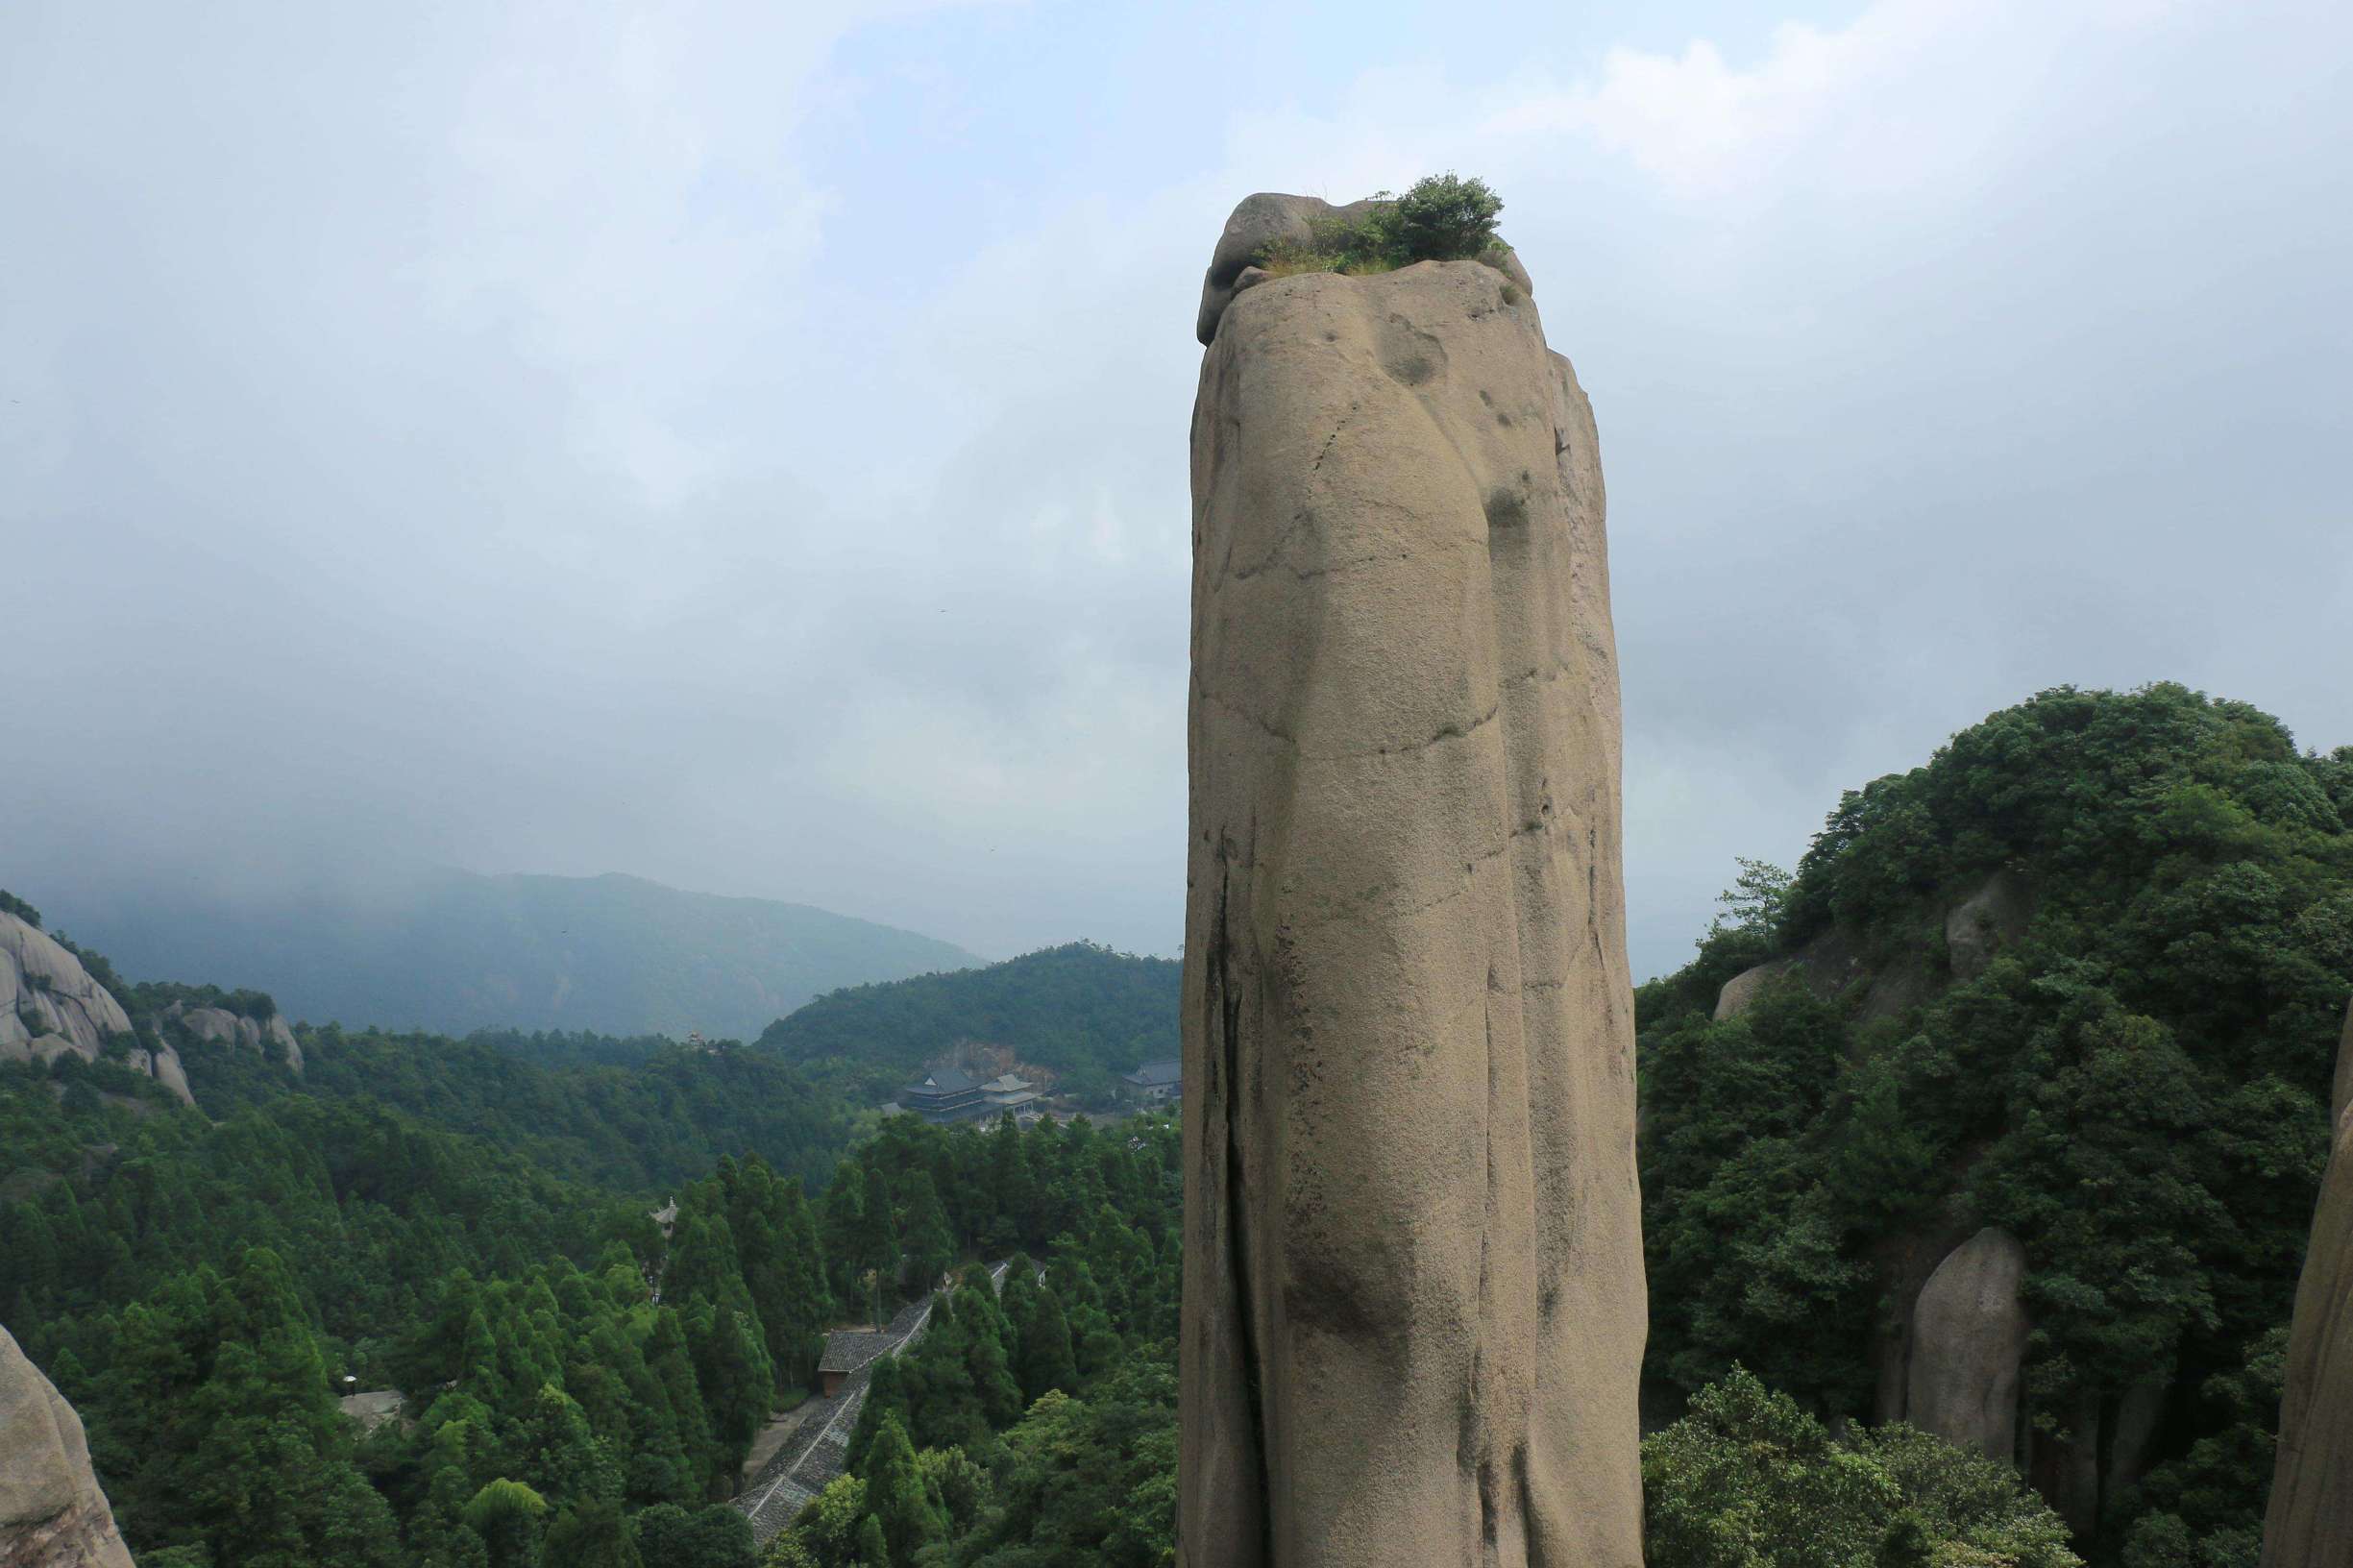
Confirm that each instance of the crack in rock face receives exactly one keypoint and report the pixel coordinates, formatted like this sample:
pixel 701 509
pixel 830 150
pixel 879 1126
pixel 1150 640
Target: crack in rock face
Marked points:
pixel 1414 1309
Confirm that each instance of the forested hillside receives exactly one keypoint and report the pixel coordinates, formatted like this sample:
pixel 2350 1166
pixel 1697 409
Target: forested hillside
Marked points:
pixel 1083 1011
pixel 470 1224
pixel 453 952
pixel 2080 978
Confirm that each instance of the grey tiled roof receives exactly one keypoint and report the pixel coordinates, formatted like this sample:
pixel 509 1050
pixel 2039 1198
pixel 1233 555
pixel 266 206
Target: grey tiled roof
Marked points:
pixel 848 1348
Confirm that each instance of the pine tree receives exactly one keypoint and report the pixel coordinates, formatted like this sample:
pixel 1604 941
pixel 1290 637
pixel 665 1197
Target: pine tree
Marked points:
pixel 732 1369
pixel 845 1229
pixel 877 1239
pixel 873 1551
pixel 562 1457
pixel 505 1514
pixel 1046 1362
pixel 896 1494
pixel 594 1534
pixel 886 1396
pixel 929 1247
pixel 986 1362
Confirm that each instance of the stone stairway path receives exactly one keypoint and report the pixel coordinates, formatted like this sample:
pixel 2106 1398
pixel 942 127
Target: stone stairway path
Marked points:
pixel 813 1455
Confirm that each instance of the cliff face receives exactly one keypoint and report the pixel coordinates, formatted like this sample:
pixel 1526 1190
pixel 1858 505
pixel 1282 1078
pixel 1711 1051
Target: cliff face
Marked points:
pixel 1414 1306
pixel 2311 1520
pixel 52 1513
pixel 216 1023
pixel 1976 929
pixel 49 1005
pixel 1969 1338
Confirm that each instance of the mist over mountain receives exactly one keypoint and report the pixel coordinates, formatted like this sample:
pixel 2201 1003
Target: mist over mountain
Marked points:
pixel 452 951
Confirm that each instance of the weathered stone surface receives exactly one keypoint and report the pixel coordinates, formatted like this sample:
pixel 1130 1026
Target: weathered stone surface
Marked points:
pixel 1507 261
pixel 1969 1337
pixel 2311 1520
pixel 1832 963
pixel 1904 1264
pixel 49 1005
pixel 1264 220
pixel 52 1513
pixel 45 990
pixel 1743 988
pixel 1985 921
pixel 1413 1291
pixel 216 1023
pixel 1271 218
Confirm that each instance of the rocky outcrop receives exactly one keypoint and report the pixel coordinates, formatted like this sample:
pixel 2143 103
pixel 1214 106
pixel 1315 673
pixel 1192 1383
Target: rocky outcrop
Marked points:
pixel 2311 1520
pixel 271 1039
pixel 1414 1310
pixel 1968 1340
pixel 45 993
pixel 52 1512
pixel 1742 990
pixel 49 1005
pixel 1982 924
pixel 1990 917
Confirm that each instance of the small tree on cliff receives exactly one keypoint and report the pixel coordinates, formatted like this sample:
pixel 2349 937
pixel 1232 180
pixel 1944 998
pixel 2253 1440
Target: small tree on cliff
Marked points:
pixel 1444 218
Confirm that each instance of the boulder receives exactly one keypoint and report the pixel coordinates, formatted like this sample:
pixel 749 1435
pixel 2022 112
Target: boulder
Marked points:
pixel 1968 1340
pixel 1743 988
pixel 2309 1524
pixel 1258 224
pixel 1414 1309
pixel 271 1039
pixel 172 1075
pixel 1903 1263
pixel 52 1512
pixel 1833 964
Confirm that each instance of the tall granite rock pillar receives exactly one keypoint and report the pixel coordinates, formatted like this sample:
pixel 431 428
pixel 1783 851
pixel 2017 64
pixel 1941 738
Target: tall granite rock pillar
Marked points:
pixel 1414 1293
pixel 2311 1520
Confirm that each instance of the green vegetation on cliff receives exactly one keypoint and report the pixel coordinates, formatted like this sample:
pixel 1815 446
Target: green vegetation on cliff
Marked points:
pixel 2119 1055
pixel 1748 1480
pixel 1440 217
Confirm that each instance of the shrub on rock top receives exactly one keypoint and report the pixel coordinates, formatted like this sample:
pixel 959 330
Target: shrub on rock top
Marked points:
pixel 1444 217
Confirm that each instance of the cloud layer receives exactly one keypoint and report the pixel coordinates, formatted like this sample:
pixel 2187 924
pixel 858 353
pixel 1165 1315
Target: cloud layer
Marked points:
pixel 745 446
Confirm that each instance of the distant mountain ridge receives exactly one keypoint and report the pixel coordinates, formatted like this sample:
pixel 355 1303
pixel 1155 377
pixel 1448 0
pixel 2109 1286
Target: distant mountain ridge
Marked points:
pixel 451 951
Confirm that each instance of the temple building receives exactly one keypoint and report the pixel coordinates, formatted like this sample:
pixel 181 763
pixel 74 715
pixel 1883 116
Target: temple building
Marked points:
pixel 944 1094
pixel 1155 1083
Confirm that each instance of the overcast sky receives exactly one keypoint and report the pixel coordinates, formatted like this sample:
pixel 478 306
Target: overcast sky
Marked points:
pixel 744 444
